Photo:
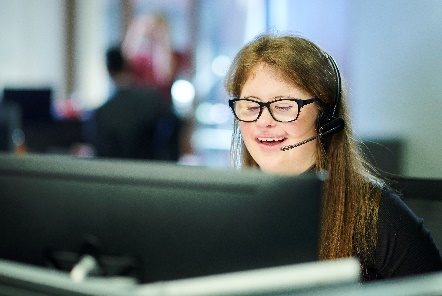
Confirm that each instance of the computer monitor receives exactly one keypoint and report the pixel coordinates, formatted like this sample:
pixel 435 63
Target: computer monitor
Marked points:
pixel 35 103
pixel 10 127
pixel 154 221
pixel 313 278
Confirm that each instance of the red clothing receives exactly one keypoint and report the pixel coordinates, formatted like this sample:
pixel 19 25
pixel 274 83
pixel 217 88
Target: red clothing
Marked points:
pixel 144 74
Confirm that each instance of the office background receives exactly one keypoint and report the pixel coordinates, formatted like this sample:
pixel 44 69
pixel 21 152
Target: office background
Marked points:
pixel 389 53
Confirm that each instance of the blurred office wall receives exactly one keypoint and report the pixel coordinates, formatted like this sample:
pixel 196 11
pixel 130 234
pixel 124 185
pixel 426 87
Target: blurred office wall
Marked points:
pixel 395 74
pixel 32 43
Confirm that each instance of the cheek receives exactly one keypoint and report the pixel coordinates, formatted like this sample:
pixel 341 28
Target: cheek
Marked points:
pixel 309 114
pixel 247 133
pixel 306 123
pixel 246 129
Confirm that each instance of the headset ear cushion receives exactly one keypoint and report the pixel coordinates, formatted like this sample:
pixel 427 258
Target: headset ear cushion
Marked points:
pixel 330 128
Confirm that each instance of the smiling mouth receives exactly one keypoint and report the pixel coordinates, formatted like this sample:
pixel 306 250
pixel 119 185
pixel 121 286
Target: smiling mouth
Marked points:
pixel 271 141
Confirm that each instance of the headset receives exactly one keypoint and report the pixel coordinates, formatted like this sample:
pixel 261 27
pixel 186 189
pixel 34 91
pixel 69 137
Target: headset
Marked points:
pixel 329 122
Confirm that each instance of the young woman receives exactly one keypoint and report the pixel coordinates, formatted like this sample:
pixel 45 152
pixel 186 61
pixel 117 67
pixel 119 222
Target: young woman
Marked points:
pixel 291 116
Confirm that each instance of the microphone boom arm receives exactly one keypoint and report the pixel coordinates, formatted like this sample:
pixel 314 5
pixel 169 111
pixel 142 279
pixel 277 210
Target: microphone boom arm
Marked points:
pixel 285 148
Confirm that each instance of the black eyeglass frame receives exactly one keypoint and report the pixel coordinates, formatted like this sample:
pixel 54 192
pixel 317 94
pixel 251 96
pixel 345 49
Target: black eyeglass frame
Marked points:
pixel 301 103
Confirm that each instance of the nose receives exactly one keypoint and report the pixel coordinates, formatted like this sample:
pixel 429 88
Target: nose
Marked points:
pixel 266 118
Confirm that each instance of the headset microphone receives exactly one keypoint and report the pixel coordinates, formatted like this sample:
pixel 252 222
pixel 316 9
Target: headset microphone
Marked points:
pixel 329 122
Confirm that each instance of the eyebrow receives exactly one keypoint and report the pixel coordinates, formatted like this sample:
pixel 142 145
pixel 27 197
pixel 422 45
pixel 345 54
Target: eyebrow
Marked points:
pixel 271 99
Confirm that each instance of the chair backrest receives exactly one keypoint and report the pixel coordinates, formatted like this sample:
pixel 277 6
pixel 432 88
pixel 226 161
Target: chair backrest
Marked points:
pixel 385 154
pixel 424 197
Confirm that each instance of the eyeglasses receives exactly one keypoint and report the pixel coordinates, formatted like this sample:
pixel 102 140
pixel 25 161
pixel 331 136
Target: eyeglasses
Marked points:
pixel 282 110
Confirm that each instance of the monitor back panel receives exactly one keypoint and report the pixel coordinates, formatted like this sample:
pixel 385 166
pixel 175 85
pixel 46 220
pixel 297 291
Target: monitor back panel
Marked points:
pixel 158 221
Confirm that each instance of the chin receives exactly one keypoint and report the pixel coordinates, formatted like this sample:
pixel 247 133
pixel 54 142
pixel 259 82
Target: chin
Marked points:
pixel 277 169
pixel 281 168
pixel 282 172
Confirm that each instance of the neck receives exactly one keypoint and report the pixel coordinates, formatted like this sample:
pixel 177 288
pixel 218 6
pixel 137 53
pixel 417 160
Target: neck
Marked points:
pixel 303 159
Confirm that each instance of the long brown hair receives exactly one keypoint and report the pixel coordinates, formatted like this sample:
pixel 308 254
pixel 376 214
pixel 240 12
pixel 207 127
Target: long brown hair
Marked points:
pixel 351 193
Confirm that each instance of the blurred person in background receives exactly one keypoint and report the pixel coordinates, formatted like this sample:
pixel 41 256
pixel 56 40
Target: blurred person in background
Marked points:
pixel 151 56
pixel 135 122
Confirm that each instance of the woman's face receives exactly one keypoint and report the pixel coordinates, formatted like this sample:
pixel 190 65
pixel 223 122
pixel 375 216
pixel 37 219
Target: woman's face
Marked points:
pixel 265 137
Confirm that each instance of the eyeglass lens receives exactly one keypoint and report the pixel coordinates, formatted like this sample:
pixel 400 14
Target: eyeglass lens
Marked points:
pixel 281 110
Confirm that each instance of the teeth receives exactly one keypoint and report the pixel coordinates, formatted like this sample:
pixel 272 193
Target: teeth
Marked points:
pixel 271 139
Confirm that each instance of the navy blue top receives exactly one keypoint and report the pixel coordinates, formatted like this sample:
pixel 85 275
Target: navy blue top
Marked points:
pixel 405 247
